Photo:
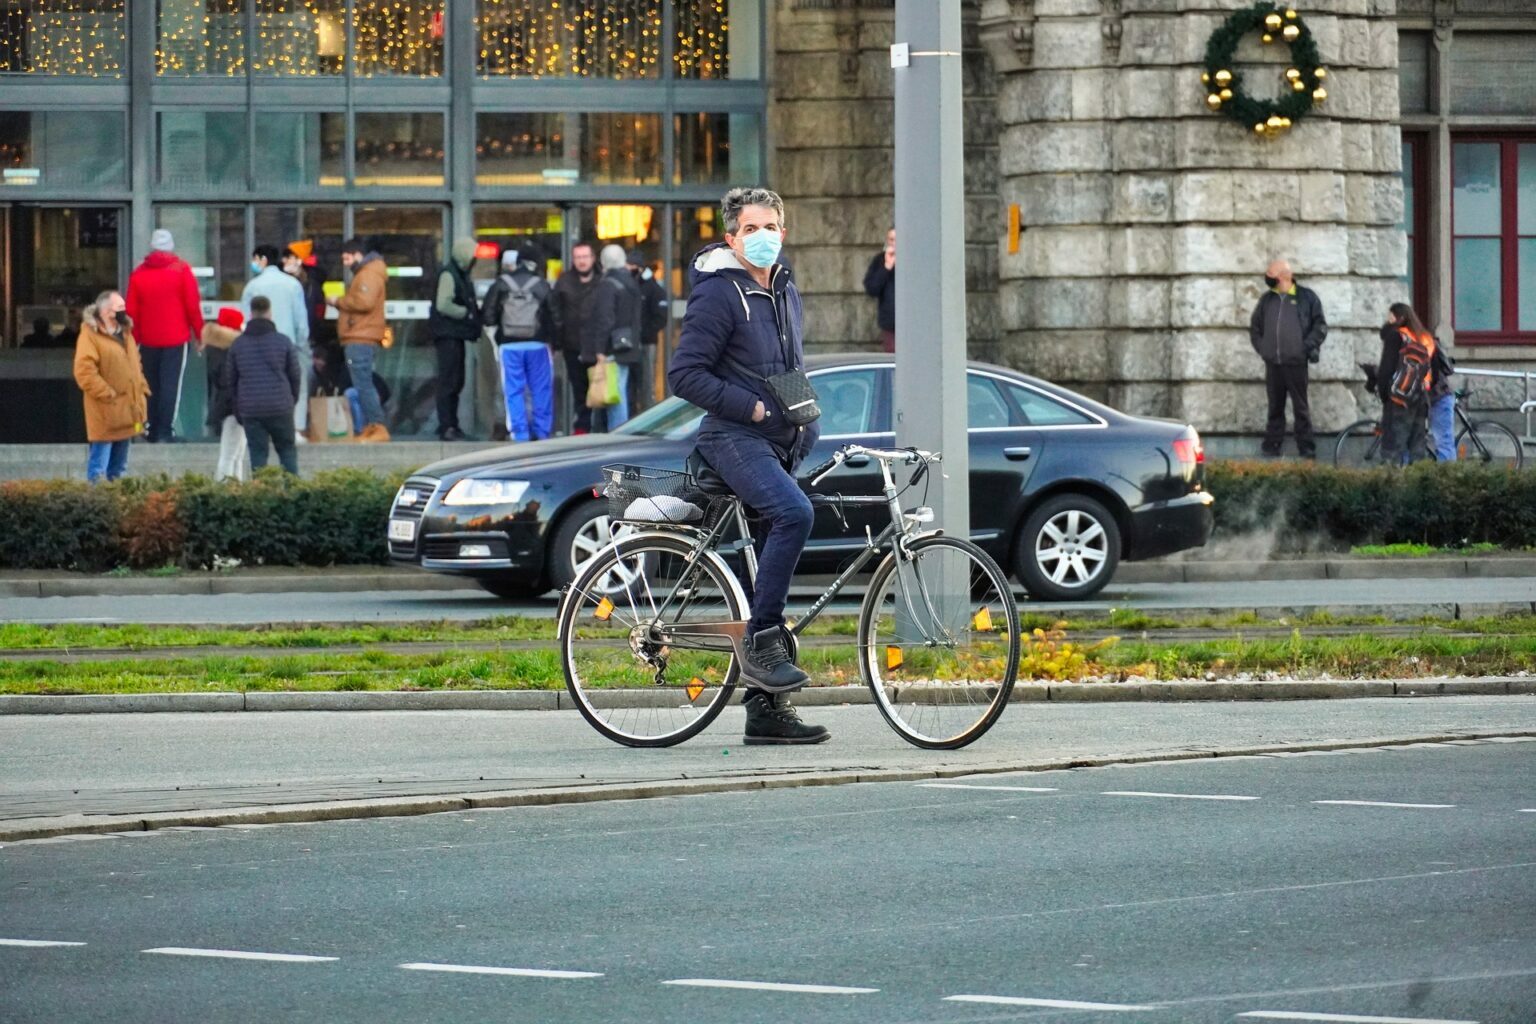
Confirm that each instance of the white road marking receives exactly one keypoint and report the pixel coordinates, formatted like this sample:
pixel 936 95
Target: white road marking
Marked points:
pixel 1176 796
pixel 1346 1018
pixel 771 986
pixel 37 943
pixel 239 954
pixel 1058 1004
pixel 1381 803
pixel 1528 810
pixel 997 788
pixel 517 972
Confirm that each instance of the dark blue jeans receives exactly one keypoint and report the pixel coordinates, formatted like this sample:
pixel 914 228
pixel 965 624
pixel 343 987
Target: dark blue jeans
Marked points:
pixel 757 475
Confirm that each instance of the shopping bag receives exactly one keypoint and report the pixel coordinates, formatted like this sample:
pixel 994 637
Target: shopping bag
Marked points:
pixel 602 384
pixel 330 418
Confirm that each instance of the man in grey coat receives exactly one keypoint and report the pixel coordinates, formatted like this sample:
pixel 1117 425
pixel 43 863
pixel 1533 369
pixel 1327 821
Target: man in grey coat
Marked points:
pixel 1287 331
pixel 289 315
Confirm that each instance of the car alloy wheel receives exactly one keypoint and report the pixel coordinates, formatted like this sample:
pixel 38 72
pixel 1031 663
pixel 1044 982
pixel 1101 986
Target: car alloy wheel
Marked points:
pixel 1069 548
pixel 593 536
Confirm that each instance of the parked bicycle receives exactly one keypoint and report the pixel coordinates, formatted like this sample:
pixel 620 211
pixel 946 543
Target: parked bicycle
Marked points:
pixel 651 632
pixel 1482 442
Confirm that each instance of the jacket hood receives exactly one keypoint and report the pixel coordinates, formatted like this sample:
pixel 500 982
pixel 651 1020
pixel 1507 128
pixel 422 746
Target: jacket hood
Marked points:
pixel 216 335
pixel 257 326
pixel 719 258
pixel 463 252
pixel 158 259
pixel 373 254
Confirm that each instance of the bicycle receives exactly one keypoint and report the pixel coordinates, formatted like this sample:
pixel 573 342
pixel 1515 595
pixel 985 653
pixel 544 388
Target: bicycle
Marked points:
pixel 652 631
pixel 1484 441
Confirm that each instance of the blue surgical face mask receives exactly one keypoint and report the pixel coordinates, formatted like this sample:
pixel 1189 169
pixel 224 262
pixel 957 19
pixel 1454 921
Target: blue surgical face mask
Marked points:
pixel 761 248
pixel 255 267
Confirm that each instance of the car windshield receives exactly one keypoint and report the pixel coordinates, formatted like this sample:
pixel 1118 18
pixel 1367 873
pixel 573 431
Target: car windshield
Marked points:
pixel 671 418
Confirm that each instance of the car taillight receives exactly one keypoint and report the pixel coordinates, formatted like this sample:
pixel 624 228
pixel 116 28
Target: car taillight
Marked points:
pixel 1189 450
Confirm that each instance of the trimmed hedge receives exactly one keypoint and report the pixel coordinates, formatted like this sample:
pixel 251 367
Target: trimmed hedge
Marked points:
pixel 1305 506
pixel 339 517
pixel 332 518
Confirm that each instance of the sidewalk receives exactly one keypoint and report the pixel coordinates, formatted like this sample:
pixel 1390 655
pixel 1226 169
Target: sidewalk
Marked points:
pixel 361 578
pixel 87 774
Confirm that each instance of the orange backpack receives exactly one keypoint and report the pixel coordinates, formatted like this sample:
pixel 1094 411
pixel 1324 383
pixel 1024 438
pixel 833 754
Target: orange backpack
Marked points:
pixel 1411 381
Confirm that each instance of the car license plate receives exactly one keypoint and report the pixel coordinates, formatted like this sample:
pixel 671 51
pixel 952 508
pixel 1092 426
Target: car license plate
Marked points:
pixel 402 530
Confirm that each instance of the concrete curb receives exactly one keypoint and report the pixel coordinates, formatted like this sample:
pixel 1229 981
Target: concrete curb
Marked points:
pixel 411 579
pixel 338 810
pixel 820 696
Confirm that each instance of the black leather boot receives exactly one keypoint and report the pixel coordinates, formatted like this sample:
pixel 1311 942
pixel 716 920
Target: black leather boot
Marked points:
pixel 768 666
pixel 772 719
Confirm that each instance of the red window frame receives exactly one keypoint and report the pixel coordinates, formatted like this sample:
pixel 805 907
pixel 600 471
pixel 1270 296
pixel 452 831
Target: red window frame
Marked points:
pixel 1416 170
pixel 1508 333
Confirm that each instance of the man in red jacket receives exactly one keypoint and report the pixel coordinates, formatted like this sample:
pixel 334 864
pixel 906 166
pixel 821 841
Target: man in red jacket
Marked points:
pixel 166 312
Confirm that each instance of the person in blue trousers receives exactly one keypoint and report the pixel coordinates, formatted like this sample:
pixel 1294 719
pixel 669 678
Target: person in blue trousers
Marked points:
pixel 517 311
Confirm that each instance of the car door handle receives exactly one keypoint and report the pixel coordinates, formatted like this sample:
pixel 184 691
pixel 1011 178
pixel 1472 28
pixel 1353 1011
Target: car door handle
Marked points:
pixel 1018 454
pixel 856 461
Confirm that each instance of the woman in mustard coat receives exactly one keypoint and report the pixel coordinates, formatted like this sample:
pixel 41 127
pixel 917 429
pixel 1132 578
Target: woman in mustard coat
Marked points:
pixel 109 372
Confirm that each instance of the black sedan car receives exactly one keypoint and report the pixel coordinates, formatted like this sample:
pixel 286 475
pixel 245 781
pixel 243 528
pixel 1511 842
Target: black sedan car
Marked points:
pixel 1062 487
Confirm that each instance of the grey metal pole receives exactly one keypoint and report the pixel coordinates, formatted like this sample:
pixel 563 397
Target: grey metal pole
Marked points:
pixel 930 227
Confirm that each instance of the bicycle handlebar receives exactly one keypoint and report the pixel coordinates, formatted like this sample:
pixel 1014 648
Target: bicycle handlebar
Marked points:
pixel 847 451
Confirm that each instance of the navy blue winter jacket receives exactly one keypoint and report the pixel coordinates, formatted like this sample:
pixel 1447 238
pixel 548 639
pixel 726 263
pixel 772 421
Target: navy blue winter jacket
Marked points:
pixel 730 316
pixel 261 372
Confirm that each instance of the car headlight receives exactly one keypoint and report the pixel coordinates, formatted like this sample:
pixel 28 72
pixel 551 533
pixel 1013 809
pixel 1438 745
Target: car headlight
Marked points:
pixel 486 492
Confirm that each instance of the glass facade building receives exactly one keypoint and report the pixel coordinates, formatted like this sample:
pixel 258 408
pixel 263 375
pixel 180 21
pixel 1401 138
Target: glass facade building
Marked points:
pixel 405 122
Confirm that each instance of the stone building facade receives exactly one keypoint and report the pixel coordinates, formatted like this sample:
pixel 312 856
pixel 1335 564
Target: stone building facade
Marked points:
pixel 1147 221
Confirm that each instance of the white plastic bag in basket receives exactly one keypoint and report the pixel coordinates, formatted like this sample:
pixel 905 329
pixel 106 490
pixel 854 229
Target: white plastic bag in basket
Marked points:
pixel 663 509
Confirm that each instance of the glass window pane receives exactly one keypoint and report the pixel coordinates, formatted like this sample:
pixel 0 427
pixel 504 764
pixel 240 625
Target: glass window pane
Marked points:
pixel 847 399
pixel 1492 72
pixel 528 229
pixel 1043 411
pixel 693 228
pixel 984 405
pixel 717 149
pixel 563 149
pixel 609 39
pixel 87 38
pixel 63 148
pixel 717 39
pixel 410 240
pixel 1408 168
pixel 200 37
pixel 1475 175
pixel 201 150
pixel 1526 197
pixel 399 37
pixel 1413 71
pixel 304 38
pixel 61 257
pixel 296 149
pixel 1478 293
pixel 1527 293
pixel 400 150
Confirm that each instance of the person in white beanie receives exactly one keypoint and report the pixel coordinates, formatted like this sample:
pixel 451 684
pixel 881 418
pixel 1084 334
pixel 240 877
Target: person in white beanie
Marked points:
pixel 166 311
pixel 517 312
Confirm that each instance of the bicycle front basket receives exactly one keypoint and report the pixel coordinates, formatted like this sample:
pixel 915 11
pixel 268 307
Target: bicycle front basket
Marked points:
pixel 639 495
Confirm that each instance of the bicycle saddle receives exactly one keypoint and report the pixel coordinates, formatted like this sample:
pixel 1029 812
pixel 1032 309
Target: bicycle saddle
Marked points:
pixel 709 482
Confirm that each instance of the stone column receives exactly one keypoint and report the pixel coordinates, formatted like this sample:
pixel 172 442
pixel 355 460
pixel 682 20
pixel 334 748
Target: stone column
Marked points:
pixel 1148 220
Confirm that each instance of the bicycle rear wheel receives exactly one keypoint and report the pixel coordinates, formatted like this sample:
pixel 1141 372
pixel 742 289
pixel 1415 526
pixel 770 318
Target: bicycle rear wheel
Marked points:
pixel 635 683
pixel 939 642
pixel 1359 445
pixel 1489 444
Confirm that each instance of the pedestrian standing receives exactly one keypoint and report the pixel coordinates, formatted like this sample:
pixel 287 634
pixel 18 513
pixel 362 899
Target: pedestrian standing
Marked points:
pixel 612 332
pixel 167 313
pixel 299 263
pixel 654 308
pixel 745 324
pixel 1287 331
pixel 517 312
pixel 361 328
pixel 569 308
pixel 263 377
pixel 453 320
pixel 289 314
pixel 110 374
pixel 1442 405
pixel 217 337
pixel 880 284
pixel 1405 376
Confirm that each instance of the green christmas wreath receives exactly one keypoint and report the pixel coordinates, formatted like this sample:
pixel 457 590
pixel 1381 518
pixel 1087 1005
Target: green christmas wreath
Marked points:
pixel 1303 79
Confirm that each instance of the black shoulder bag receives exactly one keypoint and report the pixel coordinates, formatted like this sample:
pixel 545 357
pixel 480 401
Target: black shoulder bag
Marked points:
pixel 792 388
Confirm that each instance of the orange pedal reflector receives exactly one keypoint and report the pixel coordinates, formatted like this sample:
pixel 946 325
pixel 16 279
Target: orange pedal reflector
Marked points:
pixel 893 658
pixel 695 687
pixel 604 609
pixel 982 620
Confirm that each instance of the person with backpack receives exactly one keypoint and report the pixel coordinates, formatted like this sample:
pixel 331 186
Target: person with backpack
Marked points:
pixel 1404 376
pixel 517 310
pixel 454 319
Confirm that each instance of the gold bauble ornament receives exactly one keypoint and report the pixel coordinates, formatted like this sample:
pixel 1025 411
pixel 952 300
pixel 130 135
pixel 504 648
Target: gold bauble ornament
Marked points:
pixel 1319 94
pixel 1321 73
pixel 1205 77
pixel 1285 122
pixel 1267 37
pixel 1272 21
pixel 1290 14
pixel 1292 73
pixel 1226 94
pixel 1261 128
pixel 1290 33
pixel 1223 77
pixel 1274 121
pixel 1213 101
pixel 1299 85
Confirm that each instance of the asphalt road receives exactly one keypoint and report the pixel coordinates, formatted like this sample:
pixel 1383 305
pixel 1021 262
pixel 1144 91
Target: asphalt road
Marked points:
pixel 1364 886
pixel 1400 598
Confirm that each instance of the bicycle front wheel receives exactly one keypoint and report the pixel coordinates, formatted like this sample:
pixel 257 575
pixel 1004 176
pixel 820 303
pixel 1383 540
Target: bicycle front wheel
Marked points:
pixel 1491 444
pixel 939 642
pixel 636 672
pixel 1359 445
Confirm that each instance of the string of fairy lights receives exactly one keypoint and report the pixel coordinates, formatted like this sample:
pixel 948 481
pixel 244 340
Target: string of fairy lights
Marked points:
pixel 601 39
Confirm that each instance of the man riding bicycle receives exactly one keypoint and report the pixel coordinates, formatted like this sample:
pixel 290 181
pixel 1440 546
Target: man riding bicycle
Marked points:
pixel 744 326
